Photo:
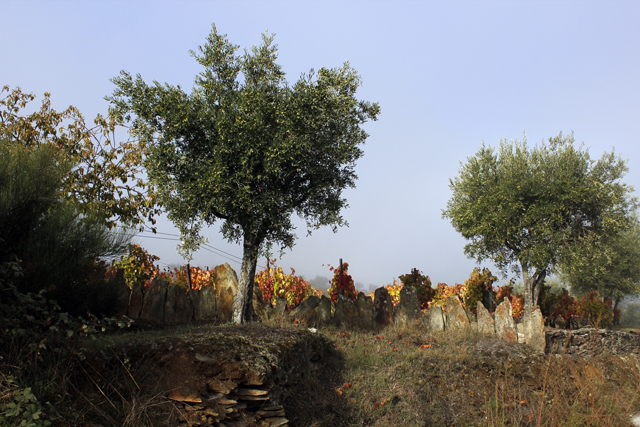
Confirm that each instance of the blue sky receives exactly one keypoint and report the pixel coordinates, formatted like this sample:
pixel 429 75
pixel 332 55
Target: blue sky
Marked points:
pixel 448 75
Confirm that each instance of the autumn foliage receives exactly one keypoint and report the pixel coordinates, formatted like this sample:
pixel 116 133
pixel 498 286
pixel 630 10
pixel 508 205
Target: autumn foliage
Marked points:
pixel 275 283
pixel 444 291
pixel 517 301
pixel 199 277
pixel 422 285
pixel 394 291
pixel 342 282
pixel 137 266
pixel 478 283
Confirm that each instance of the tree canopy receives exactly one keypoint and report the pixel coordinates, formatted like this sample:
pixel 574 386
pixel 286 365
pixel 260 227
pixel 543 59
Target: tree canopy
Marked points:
pixel 104 177
pixel 524 207
pixel 608 264
pixel 247 148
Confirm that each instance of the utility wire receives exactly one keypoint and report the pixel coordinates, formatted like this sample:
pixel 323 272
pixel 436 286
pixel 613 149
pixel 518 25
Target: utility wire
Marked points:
pixel 205 246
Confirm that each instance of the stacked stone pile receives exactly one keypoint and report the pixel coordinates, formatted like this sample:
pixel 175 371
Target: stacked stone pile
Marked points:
pixel 233 376
pixel 230 407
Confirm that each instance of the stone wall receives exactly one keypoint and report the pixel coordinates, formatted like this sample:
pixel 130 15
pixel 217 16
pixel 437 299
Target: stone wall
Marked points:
pixel 171 304
pixel 163 303
pixel 591 342
pixel 376 314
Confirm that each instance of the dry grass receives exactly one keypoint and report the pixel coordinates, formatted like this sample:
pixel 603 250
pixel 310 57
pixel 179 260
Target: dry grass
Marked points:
pixel 397 377
pixel 410 378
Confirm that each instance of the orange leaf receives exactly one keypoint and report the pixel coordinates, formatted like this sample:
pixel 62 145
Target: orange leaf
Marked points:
pixel 347 385
pixel 425 346
pixel 339 391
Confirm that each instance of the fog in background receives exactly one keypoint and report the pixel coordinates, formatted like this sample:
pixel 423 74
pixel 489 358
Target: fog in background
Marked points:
pixel 448 76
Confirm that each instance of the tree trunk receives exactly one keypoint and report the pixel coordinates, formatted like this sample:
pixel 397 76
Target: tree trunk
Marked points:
pixel 532 287
pixel 243 300
pixel 614 307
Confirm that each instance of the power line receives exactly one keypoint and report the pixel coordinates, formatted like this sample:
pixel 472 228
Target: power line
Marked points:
pixel 231 259
pixel 220 250
pixel 204 246
pixel 159 238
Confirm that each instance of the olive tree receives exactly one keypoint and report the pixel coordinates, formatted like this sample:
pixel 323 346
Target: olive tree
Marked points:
pixel 524 207
pixel 247 148
pixel 608 264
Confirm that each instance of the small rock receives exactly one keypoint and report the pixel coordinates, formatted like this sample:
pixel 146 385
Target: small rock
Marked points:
pixel 179 397
pixel 276 422
pixel 271 414
pixel 346 313
pixel 220 386
pixel 153 303
pixel 226 286
pixel 250 392
pixel 306 311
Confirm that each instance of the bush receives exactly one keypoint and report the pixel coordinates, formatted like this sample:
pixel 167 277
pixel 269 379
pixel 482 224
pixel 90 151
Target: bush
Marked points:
pixel 38 343
pixel 591 307
pixel 137 266
pixel 476 286
pixel 342 282
pixel 60 248
pixel 563 306
pixel 444 291
pixel 394 291
pixel 422 285
pixel 517 302
pixel 274 283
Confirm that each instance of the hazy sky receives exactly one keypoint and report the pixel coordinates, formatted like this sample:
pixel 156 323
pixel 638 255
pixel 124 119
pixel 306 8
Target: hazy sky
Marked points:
pixel 448 75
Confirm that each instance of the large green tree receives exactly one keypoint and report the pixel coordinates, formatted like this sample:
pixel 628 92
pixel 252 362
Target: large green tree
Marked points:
pixel 247 148
pixel 524 207
pixel 608 264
